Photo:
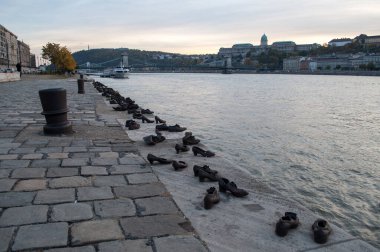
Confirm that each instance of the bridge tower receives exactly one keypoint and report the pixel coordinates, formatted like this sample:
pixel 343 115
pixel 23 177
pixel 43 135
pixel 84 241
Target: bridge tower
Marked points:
pixel 124 59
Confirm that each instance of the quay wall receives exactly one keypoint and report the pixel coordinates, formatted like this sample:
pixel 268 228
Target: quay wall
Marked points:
pixel 5 77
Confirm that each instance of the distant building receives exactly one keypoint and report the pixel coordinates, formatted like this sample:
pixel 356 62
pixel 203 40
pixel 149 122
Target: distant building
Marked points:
pixel 33 61
pixel 340 42
pixel 264 41
pixel 284 46
pixel 307 47
pixel 8 48
pixel 23 54
pixel 236 50
pixel 291 64
pixel 372 40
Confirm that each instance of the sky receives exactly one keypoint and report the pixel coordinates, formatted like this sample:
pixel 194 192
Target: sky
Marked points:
pixel 185 26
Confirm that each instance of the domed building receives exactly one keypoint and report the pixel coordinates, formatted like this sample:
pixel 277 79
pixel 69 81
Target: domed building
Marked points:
pixel 264 41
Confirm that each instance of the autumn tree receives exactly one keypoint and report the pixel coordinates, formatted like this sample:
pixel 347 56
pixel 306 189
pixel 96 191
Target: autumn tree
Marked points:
pixel 61 57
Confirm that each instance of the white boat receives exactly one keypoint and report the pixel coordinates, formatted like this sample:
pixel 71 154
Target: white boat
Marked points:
pixel 120 72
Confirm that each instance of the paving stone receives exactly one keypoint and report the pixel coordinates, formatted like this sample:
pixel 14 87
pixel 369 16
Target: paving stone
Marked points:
pixel 131 158
pixel 71 212
pixel 5 238
pixel 127 245
pixel 75 162
pixel 115 208
pixel 104 161
pixel 32 156
pixel 29 173
pixel 59 143
pixel 10 145
pixel 124 148
pixel 141 191
pixel 62 172
pixel 183 243
pixel 57 155
pixel 4 173
pixel 157 225
pixel 9 157
pixel 4 150
pixel 50 150
pixel 83 155
pixel 141 178
pixel 14 163
pixel 13 199
pixel 95 231
pixel 30 185
pixel 24 215
pixel 36 142
pixel 81 143
pixel 93 170
pixel 74 181
pixel 129 169
pixel 41 236
pixel 156 205
pixel 22 150
pixel 99 149
pixel 6 184
pixel 117 180
pixel 74 149
pixel 94 193
pixel 46 163
pixel 73 249
pixel 55 196
pixel 109 154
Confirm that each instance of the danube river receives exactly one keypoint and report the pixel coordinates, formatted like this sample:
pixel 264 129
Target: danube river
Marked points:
pixel 316 139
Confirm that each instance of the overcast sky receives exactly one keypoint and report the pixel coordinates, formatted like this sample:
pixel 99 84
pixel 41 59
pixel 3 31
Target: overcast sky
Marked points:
pixel 185 26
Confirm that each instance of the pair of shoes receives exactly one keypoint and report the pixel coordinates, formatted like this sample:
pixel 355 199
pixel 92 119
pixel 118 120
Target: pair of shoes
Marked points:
pixel 189 139
pixel 152 158
pixel 179 165
pixel 225 185
pixel 286 222
pixel 204 172
pixel 162 127
pixel 180 148
pixel 321 230
pixel 145 119
pixel 196 150
pixel 152 139
pixel 176 128
pixel 159 120
pixel 211 198
pixel 146 111
pixel 132 125
pixel 137 115
pixel 120 108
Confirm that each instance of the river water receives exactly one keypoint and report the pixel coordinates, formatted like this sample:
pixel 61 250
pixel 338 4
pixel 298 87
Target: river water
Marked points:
pixel 316 139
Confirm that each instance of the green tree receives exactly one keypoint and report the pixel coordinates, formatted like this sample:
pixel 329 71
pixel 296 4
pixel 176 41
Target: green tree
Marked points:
pixel 59 56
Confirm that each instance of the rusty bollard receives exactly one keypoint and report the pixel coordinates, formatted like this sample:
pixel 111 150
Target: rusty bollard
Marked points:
pixel 80 86
pixel 54 105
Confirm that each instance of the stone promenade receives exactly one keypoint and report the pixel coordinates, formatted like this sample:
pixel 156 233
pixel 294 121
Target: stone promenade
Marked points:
pixel 89 191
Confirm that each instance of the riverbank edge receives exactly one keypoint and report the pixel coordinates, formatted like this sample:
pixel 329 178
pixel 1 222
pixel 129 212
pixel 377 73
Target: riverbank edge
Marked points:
pixel 188 196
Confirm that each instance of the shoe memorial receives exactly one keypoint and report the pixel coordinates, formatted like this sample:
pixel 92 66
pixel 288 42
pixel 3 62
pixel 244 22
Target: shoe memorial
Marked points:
pixel 226 186
pixel 189 139
pixel 285 223
pixel 196 150
pixel 176 128
pixel 152 139
pixel 145 119
pixel 152 158
pixel 211 198
pixel 159 120
pixel 180 148
pixel 206 168
pixel 146 111
pixel 321 230
pixel 179 165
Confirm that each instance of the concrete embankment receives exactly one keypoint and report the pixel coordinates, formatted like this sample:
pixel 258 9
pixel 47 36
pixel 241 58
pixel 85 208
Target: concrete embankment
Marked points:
pixel 6 77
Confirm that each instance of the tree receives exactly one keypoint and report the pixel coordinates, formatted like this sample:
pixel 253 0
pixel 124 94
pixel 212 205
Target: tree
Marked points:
pixel 371 66
pixel 60 57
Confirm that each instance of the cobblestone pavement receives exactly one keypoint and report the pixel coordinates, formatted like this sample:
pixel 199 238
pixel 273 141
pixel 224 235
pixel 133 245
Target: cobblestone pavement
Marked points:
pixel 89 191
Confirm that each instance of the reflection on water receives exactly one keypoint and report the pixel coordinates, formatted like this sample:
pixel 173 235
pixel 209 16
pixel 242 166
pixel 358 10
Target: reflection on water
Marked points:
pixel 316 138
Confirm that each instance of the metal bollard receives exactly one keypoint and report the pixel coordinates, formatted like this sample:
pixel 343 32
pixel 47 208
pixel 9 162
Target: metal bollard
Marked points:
pixel 54 105
pixel 80 86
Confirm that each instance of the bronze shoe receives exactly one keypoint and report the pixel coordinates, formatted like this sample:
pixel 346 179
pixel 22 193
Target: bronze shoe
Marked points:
pixel 179 165
pixel 152 158
pixel 321 230
pixel 225 185
pixel 181 148
pixel 211 198
pixel 285 223
pixel 196 150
